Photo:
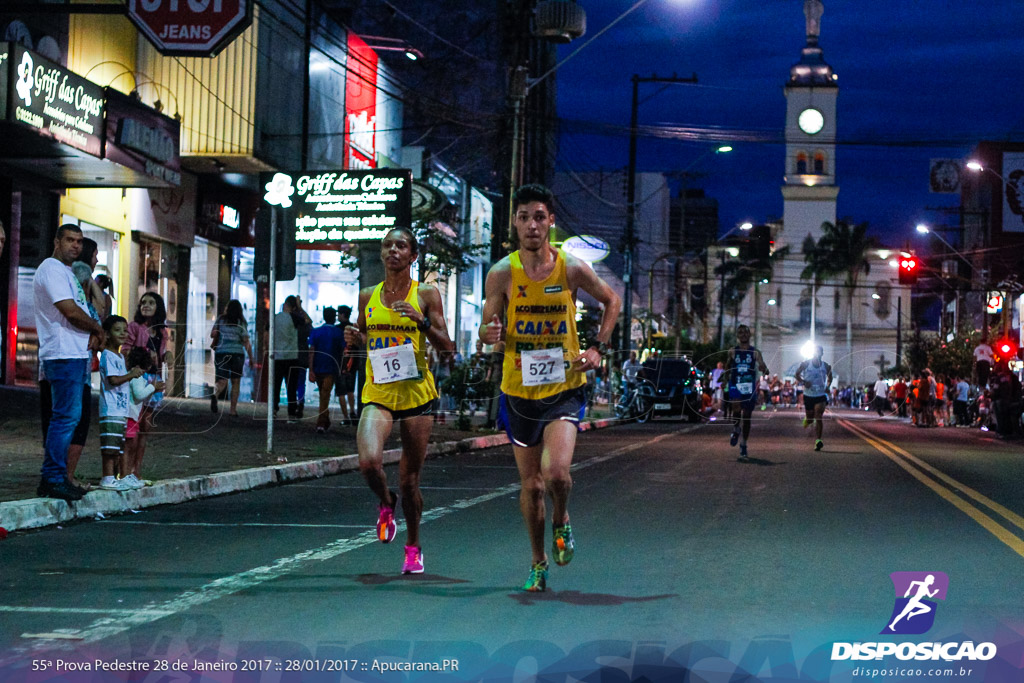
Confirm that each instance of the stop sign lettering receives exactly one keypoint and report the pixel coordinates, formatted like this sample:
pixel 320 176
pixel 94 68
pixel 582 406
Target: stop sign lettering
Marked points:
pixel 194 28
pixel 194 5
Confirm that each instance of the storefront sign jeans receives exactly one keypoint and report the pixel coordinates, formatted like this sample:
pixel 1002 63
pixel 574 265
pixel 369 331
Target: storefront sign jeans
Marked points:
pixel 66 376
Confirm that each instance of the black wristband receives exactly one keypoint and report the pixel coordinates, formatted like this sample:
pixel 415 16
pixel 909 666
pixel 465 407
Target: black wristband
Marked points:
pixel 423 325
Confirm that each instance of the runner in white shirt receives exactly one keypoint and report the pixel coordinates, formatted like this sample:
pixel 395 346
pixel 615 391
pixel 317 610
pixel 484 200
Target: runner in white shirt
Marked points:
pixel 881 394
pixel 816 376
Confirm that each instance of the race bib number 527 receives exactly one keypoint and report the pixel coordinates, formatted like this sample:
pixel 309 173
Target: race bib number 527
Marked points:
pixel 543 366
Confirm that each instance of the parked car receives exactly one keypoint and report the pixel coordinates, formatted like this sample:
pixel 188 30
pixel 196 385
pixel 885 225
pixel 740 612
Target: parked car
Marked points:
pixel 677 389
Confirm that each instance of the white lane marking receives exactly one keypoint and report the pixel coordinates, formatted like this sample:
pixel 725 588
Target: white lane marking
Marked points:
pixel 69 610
pixel 229 585
pixel 231 524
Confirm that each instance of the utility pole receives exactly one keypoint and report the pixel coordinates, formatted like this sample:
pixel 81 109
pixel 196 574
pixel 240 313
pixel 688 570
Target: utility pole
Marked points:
pixel 629 237
pixel 721 303
pixel 899 331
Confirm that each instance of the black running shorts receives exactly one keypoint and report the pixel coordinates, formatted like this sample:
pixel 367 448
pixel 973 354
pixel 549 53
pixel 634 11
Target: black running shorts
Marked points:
pixel 526 418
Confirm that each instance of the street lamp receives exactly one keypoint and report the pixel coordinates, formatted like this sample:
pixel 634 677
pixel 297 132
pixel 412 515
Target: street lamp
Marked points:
pixel 385 44
pixel 629 236
pixel 925 230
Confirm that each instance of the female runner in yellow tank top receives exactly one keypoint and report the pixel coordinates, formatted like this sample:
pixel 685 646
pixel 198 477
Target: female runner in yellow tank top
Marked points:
pixel 396 318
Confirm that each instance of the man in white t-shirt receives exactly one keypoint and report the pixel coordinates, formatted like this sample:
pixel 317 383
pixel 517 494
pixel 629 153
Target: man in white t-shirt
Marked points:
pixel 881 396
pixel 983 363
pixel 67 334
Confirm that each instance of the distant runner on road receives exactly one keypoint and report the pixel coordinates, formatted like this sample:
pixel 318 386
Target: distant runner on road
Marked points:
pixel 741 368
pixel 816 376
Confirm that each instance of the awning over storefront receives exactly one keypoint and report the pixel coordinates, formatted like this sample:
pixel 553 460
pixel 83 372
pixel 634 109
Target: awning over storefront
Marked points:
pixel 63 130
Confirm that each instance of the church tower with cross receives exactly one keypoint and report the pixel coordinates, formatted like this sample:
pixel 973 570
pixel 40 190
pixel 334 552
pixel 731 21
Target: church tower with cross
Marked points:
pixel 857 328
pixel 810 188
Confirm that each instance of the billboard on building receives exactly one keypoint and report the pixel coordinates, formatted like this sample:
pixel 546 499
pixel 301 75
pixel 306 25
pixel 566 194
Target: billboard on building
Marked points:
pixel 1013 196
pixel 360 105
pixel 143 139
pixel 332 207
pixel 57 103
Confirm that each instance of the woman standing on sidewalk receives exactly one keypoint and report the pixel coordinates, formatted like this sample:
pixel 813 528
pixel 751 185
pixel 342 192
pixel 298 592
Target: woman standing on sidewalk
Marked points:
pixel 230 347
pixel 396 318
pixel 148 330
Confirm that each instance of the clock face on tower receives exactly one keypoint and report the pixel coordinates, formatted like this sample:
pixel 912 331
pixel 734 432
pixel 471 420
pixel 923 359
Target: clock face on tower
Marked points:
pixel 811 121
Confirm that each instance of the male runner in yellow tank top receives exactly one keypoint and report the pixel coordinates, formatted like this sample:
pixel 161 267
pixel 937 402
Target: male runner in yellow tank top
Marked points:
pixel 396 318
pixel 544 378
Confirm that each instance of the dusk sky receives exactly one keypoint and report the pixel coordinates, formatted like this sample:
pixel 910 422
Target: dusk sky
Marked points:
pixel 918 80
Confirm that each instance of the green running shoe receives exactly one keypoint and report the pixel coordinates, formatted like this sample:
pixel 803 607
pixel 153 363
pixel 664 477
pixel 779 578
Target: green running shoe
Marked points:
pixel 562 546
pixel 819 444
pixel 538 580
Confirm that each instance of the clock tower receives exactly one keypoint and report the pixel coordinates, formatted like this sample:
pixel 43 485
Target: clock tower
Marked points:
pixel 810 190
pixel 809 195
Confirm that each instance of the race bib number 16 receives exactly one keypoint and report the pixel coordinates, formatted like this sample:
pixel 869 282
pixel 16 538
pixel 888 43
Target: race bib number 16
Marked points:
pixel 543 366
pixel 393 364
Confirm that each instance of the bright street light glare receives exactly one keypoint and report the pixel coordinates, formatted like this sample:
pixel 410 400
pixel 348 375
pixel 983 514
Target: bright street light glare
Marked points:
pixel 747 226
pixel 894 263
pixel 875 296
pixel 771 302
pixel 807 350
pixel 723 149
pixel 922 228
pixel 975 166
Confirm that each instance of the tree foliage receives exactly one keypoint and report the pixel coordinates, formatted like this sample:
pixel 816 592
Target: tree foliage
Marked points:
pixel 439 253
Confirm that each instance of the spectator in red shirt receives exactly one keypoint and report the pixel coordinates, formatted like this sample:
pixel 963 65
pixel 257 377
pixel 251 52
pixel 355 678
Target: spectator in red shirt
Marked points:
pixel 899 394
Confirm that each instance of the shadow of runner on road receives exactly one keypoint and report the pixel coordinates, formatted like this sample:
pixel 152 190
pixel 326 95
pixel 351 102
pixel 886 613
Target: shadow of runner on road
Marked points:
pixel 584 599
pixel 760 461
pixel 384 579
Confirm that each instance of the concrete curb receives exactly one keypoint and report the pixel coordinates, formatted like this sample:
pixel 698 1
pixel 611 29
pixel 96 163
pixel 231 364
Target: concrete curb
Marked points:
pixel 35 513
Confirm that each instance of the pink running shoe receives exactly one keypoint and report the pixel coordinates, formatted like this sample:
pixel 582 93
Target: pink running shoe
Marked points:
pixel 413 560
pixel 386 527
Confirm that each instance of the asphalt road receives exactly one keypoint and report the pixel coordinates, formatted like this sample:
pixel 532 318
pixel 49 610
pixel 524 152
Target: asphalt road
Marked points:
pixel 689 564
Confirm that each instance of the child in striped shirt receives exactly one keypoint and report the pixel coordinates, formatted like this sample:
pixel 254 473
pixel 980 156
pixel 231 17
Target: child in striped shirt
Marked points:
pixel 114 402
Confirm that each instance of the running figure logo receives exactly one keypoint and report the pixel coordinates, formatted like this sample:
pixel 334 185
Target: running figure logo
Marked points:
pixel 914 612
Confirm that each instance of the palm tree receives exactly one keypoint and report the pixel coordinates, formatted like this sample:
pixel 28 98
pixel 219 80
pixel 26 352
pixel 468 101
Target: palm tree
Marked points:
pixel 842 252
pixel 813 271
pixel 740 275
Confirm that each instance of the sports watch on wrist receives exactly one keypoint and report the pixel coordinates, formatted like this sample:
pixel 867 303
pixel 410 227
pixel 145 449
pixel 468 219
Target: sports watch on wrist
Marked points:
pixel 602 348
pixel 423 325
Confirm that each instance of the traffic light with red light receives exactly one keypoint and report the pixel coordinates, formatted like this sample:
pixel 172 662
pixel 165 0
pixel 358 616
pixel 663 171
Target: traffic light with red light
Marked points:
pixel 909 266
pixel 1005 349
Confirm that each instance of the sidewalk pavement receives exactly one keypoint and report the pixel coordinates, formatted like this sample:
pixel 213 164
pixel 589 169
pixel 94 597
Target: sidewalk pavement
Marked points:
pixel 193 453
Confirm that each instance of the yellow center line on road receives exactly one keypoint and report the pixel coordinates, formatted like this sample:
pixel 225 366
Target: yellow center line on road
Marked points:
pixel 907 461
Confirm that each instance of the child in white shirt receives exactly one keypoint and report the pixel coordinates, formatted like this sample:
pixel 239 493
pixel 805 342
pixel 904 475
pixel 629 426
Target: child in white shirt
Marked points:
pixel 140 389
pixel 114 403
